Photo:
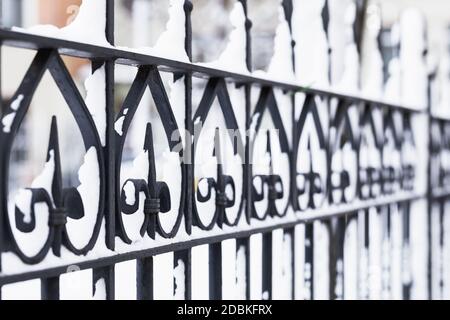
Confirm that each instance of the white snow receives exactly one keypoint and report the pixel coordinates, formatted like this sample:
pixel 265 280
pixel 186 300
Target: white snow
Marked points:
pixel 349 81
pixel 100 290
pixel 375 241
pixel 299 262
pixel 88 26
pixel 76 285
pixel 392 89
pixel 96 101
pixel 372 62
pixel 170 44
pixel 351 261
pixel 31 243
pixel 413 43
pixel 138 170
pixel 16 103
pixel 179 276
pixel 418 249
pixel 129 190
pixel 281 65
pixel 125 274
pixel 25 290
pixel 241 277
pixel 80 231
pixel 163 276
pixel 8 119
pixel 321 244
pixel 311 62
pixel 396 253
pixel 256 267
pixel 229 269
pixel 233 58
pixel 200 271
pixel 118 125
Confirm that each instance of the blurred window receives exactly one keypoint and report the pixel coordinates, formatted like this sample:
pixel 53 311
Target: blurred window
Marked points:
pixel 10 13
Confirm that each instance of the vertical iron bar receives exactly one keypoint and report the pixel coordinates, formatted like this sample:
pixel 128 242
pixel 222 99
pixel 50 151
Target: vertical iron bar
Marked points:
pixel 245 243
pixel 366 251
pixel 441 248
pixel 144 278
pixel 247 160
pixel 50 288
pixel 288 11
pixel 186 257
pixel 106 274
pixel 109 150
pixel 215 271
pixel 188 7
pixel 267 266
pixel 406 207
pixel 429 183
pixel 291 234
pixel 309 261
pixel 2 214
pixel 337 258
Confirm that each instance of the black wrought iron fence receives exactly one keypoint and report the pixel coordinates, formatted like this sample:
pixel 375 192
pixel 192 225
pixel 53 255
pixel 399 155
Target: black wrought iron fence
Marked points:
pixel 361 165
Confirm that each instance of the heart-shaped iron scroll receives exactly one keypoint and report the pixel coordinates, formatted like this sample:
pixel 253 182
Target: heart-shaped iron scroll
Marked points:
pixel 157 194
pixel 218 88
pixel 61 203
pixel 149 77
pixel 308 182
pixel 220 185
pixel 343 143
pixel 272 181
pixel 370 179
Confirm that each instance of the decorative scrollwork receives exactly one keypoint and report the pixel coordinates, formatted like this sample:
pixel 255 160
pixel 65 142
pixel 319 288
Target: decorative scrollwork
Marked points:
pixel 157 194
pixel 64 205
pixel 220 186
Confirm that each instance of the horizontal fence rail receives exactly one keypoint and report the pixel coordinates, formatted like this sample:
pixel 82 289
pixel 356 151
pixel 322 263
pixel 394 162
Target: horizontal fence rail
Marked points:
pixel 304 194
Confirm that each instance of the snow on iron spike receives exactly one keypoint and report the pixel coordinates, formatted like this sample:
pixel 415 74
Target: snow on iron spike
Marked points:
pixel 413 45
pixel 118 125
pixel 170 43
pixel 96 101
pixel 88 26
pixel 233 58
pixel 100 290
pixel 311 62
pixel 392 86
pixel 350 76
pixel 8 120
pixel 280 67
pixel 443 106
pixel 179 277
pixel 129 190
pixel 372 66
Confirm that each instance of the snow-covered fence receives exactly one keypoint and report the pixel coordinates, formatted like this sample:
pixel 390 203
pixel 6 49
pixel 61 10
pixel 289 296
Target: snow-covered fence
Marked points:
pixel 286 183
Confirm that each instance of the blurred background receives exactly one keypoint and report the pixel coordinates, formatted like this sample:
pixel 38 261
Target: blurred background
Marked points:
pixel 139 23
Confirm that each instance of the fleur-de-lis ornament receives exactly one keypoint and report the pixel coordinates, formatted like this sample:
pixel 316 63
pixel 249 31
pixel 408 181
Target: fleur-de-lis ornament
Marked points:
pixel 61 203
pixel 219 185
pixel 312 181
pixel 157 194
pixel 272 181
